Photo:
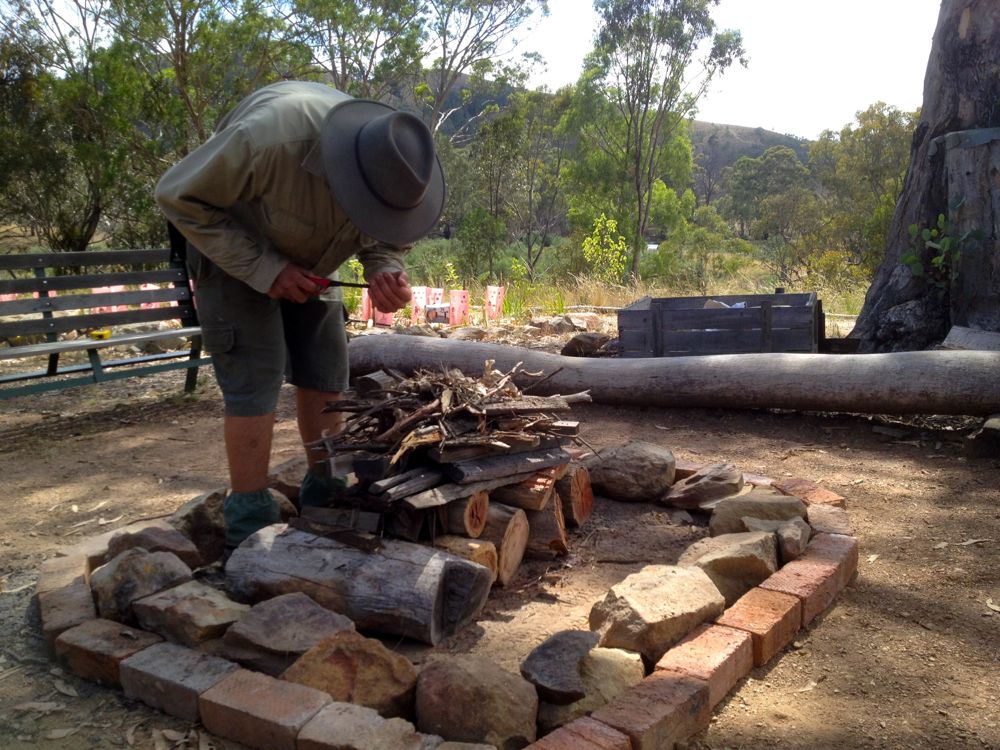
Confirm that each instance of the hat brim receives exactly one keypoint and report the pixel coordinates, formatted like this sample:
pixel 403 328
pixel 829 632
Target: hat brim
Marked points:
pixel 366 210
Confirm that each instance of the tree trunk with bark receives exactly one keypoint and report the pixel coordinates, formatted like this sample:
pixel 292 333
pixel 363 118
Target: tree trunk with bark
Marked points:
pixel 907 311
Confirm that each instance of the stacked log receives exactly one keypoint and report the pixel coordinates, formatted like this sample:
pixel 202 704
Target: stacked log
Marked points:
pixel 472 466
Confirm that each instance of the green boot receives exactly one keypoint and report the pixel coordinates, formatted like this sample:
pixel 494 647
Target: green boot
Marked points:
pixel 247 512
pixel 317 491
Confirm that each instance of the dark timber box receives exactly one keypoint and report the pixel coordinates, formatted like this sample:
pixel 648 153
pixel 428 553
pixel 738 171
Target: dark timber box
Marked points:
pixel 683 326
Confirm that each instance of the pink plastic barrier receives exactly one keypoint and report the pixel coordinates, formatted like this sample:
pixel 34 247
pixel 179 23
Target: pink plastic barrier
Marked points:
pixel 458 311
pixel 494 301
pixel 8 297
pixel 418 303
pixel 384 319
pixel 366 306
pixel 435 296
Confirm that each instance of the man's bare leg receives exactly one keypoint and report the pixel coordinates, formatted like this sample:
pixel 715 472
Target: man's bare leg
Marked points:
pixel 248 449
pixel 313 421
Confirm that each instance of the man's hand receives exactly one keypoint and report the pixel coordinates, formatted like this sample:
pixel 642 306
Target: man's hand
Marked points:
pixel 389 290
pixel 294 283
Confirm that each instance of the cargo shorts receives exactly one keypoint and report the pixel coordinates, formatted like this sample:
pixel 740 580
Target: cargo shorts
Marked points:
pixel 257 342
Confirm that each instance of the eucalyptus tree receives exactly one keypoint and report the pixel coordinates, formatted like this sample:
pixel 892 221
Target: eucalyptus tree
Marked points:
pixel 653 61
pixel 470 38
pixel 368 48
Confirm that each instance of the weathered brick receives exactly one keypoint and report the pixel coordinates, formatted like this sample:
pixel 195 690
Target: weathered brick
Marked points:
pixel 57 572
pixel 813 581
pixel 347 726
pixel 170 678
pixel 772 619
pixel 828 519
pixel 663 709
pixel 95 649
pixel 809 492
pixel 189 614
pixel 64 607
pixel 258 710
pixel 718 655
pixel 583 734
pixel 839 547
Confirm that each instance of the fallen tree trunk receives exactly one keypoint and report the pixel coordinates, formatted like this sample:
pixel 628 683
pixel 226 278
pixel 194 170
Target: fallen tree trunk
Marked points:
pixel 931 382
pixel 405 589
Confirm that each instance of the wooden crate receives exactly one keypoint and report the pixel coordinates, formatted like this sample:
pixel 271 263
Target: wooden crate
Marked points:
pixel 683 326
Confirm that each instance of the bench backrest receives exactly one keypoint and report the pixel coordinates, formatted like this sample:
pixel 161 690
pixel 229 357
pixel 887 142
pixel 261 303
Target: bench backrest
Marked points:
pixel 51 293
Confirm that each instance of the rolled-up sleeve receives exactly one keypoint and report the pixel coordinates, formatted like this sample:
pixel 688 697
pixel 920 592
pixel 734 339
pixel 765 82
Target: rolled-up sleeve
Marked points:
pixel 195 194
pixel 377 257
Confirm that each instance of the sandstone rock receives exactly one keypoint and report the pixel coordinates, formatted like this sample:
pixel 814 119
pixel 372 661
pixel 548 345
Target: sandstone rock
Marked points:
pixel 635 472
pixel 584 344
pixel 345 726
pixel 285 506
pixel 276 632
pixel 793 535
pixel 467 333
pixel 471 699
pixel 728 514
pixel 651 610
pixel 553 666
pixel 606 673
pixel 828 519
pixel 200 520
pixel 287 476
pixel 708 483
pixel 132 575
pixel 808 491
pixel 355 669
pixel 585 321
pixel 161 537
pixel 680 517
pixel 556 324
pixel 735 562
pixel 188 614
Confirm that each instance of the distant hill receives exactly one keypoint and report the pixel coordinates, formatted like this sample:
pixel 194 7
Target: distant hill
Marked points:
pixel 728 143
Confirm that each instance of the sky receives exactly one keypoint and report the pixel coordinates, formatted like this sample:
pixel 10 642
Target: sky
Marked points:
pixel 812 65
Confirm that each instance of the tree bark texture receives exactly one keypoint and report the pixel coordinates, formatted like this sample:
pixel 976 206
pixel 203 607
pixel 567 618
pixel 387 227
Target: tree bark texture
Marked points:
pixel 404 589
pixel 904 312
pixel 932 382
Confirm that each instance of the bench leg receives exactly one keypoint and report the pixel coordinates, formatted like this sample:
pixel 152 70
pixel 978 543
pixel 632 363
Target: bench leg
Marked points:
pixel 191 380
pixel 95 365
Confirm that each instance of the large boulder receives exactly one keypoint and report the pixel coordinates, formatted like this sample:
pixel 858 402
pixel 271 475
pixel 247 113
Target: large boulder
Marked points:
pixel 735 562
pixel 634 472
pixel 553 666
pixel 650 611
pixel 471 699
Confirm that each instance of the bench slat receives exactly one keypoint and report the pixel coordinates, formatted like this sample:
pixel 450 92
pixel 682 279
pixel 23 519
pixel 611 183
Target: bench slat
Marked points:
pixel 86 367
pixel 90 301
pixel 90 281
pixel 127 339
pixel 86 258
pixel 101 320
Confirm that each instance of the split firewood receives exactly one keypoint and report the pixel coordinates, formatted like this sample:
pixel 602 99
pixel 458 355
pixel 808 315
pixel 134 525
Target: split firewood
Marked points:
pixel 467 516
pixel 507 528
pixel 478 551
pixel 576 495
pixel 533 493
pixel 546 533
pixel 446 493
pixel 478 470
pixel 406 484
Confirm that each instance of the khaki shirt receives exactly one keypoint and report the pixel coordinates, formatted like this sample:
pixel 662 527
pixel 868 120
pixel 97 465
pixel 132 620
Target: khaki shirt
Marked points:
pixel 254 197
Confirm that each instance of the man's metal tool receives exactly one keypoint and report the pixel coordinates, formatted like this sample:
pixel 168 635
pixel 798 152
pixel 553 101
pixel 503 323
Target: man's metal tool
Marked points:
pixel 325 284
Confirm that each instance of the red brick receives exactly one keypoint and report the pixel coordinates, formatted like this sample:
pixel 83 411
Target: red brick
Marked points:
pixel 95 649
pixel 772 619
pixel 583 734
pixel 809 492
pixel 718 655
pixel 837 547
pixel 171 678
pixel 811 580
pixel 258 710
pixel 57 572
pixel 63 607
pixel 665 708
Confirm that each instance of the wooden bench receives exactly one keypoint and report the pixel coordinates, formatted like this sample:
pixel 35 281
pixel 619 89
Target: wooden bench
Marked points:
pixel 47 298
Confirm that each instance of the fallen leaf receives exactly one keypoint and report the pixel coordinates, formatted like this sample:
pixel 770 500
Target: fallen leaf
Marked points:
pixel 173 735
pixel 82 523
pixel 812 684
pixel 75 508
pixel 106 521
pixel 43 706
pixel 940 545
pixel 130 734
pixel 99 506
pixel 991 605
pixel 59 734
pixel 159 741
pixel 65 688
pixel 872 558
pixel 967 542
pixel 661 427
pixel 204 743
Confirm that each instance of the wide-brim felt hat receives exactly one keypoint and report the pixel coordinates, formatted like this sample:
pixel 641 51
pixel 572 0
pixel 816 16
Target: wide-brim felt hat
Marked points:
pixel 381 166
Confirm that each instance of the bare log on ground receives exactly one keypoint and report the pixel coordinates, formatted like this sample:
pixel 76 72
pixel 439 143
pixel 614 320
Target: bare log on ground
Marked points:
pixel 507 528
pixel 931 382
pixel 467 516
pixel 576 495
pixel 546 533
pixel 404 589
pixel 477 550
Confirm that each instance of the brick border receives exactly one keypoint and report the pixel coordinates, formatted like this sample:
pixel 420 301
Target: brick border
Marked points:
pixel 672 703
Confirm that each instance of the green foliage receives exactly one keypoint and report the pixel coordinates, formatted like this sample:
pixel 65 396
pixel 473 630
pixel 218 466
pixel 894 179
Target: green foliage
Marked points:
pixel 481 237
pixel 606 251
pixel 936 252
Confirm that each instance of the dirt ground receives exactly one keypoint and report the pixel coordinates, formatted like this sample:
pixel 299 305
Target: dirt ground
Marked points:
pixel 907 658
